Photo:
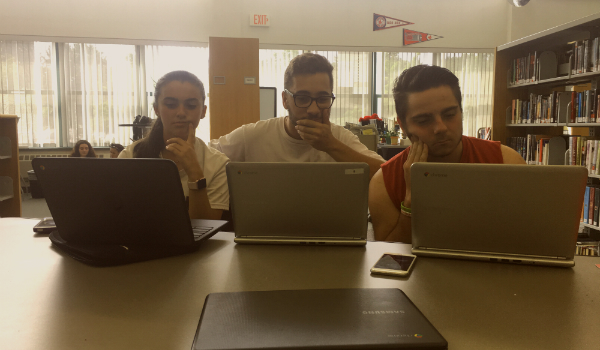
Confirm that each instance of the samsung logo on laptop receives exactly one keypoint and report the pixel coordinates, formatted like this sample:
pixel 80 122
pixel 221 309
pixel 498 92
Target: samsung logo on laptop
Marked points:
pixel 405 335
pixel 247 172
pixel 428 174
pixel 382 312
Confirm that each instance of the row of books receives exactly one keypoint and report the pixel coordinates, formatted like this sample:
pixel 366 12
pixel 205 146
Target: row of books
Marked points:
pixel 534 150
pixel 539 109
pixel 587 248
pixel 524 69
pixel 586 56
pixel 584 106
pixel 585 153
pixel 591 205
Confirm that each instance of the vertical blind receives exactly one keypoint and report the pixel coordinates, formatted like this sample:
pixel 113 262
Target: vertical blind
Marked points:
pixel 28 89
pixel 350 80
pixel 475 72
pixel 392 65
pixel 159 60
pixel 64 92
pixel 99 91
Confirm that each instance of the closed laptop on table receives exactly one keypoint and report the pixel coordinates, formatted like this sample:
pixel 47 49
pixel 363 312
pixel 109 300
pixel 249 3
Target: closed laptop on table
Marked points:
pixel 497 212
pixel 314 319
pixel 117 211
pixel 299 203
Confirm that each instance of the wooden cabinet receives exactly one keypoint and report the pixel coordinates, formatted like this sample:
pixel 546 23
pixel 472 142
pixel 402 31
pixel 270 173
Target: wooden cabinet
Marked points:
pixel 234 86
pixel 10 183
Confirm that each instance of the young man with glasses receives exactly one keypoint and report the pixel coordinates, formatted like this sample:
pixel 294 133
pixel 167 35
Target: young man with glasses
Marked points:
pixel 306 134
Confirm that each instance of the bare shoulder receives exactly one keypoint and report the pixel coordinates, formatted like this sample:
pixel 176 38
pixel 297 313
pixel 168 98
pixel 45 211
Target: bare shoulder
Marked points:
pixel 510 156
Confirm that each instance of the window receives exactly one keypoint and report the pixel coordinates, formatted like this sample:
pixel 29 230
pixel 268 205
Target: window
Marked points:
pixel 99 91
pixel 28 89
pixel 389 67
pixel 350 80
pixel 64 92
pixel 159 60
pixel 474 72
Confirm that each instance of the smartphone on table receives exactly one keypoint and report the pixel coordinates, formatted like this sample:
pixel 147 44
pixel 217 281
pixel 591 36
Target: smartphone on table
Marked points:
pixel 46 225
pixel 394 264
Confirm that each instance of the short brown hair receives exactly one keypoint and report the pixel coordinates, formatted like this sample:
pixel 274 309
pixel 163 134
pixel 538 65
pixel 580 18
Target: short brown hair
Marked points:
pixel 307 63
pixel 420 78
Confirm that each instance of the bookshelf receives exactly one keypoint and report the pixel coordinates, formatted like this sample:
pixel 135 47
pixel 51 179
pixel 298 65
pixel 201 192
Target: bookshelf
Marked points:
pixel 10 183
pixel 535 81
pixel 558 40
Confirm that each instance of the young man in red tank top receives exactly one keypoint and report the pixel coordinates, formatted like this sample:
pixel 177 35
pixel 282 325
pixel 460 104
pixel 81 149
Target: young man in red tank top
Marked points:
pixel 429 109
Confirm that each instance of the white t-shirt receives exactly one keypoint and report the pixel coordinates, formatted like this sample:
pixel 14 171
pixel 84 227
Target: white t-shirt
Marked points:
pixel 267 141
pixel 213 164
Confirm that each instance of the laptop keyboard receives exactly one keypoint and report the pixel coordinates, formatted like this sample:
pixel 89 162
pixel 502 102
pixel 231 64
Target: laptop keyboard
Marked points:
pixel 200 231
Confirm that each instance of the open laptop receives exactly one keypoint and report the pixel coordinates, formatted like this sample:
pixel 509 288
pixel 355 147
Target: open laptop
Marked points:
pixel 496 212
pixel 112 211
pixel 314 319
pixel 299 203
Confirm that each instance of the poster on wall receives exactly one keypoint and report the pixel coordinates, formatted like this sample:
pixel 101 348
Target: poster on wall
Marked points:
pixel 381 22
pixel 413 37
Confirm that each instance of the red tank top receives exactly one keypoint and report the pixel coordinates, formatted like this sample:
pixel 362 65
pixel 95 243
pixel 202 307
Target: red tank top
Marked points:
pixel 474 151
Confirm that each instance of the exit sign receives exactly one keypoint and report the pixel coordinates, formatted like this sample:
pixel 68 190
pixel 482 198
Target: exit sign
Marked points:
pixel 260 20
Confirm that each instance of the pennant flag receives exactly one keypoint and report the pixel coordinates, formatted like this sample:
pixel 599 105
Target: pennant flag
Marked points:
pixel 411 37
pixel 384 22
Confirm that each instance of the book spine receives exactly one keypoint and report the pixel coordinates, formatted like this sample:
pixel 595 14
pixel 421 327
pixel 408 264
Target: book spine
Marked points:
pixel 594 155
pixel 573 149
pixel 592 106
pixel 578 107
pixel 512 112
pixel 573 100
pixel 596 205
pixel 578 152
pixel 585 56
pixel 587 156
pixel 586 204
pixel 597 158
pixel 591 206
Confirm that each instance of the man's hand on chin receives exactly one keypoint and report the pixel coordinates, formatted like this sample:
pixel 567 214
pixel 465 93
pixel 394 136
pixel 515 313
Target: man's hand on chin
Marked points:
pixel 317 134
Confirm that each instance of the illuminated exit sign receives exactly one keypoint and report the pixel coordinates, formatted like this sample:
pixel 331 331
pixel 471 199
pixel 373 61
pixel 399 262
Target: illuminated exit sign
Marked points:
pixel 260 20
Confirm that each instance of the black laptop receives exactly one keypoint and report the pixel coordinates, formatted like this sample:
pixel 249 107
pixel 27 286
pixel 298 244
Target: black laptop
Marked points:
pixel 118 211
pixel 314 319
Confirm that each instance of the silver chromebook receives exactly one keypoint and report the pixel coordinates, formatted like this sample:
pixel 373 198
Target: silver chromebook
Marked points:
pixel 299 203
pixel 494 212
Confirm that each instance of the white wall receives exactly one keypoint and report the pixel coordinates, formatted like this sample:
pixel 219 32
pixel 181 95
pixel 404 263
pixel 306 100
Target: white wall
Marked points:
pixel 462 23
pixel 540 15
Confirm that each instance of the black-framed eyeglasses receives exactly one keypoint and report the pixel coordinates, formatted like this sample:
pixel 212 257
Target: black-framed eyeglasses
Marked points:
pixel 304 101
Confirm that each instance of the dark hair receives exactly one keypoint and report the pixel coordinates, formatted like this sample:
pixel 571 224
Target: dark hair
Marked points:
pixel 119 147
pixel 75 153
pixel 307 63
pixel 151 145
pixel 420 78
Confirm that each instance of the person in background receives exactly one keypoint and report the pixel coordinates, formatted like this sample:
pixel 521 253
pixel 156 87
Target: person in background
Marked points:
pixel 179 106
pixel 83 149
pixel 429 110
pixel 115 150
pixel 306 134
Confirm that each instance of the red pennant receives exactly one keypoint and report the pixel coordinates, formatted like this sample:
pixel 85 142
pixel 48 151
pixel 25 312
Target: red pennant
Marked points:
pixel 412 37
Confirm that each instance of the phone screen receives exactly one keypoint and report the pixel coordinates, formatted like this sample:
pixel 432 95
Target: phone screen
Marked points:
pixel 394 262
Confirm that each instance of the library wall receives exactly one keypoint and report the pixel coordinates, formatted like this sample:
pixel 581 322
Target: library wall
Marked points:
pixel 462 23
pixel 540 15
